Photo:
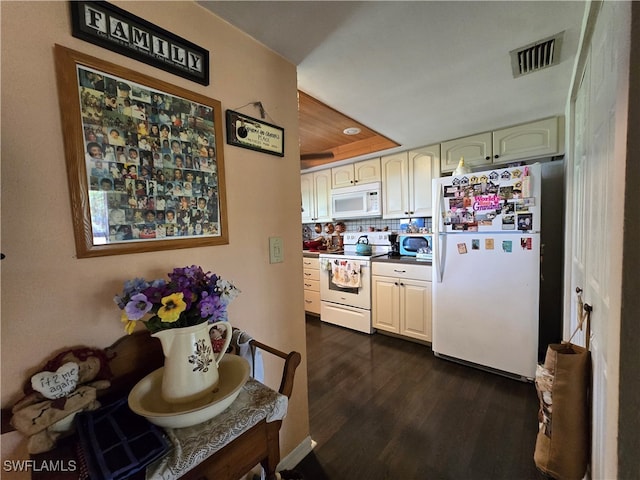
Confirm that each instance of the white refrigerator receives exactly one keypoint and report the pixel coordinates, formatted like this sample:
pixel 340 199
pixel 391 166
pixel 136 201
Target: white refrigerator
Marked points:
pixel 486 269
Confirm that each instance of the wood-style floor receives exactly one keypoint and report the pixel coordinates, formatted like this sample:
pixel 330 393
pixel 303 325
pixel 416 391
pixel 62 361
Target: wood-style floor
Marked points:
pixel 385 408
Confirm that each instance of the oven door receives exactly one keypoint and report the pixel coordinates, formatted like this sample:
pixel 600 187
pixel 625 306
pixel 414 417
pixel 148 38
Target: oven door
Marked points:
pixel 359 297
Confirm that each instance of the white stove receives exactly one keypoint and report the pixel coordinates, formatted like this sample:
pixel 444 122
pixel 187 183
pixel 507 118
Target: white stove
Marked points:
pixel 345 281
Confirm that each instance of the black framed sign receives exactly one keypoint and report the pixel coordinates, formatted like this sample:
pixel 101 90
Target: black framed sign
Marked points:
pixel 254 134
pixel 145 160
pixel 111 27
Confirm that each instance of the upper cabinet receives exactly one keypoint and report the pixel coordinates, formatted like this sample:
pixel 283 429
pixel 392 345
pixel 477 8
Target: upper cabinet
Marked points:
pixel 406 182
pixel 358 173
pixel 476 150
pixel 536 139
pixel 531 140
pixel 316 196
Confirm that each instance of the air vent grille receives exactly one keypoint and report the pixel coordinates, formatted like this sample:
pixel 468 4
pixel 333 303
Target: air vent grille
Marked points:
pixel 536 56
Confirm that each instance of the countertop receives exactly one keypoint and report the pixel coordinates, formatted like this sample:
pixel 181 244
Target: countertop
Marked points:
pixel 404 259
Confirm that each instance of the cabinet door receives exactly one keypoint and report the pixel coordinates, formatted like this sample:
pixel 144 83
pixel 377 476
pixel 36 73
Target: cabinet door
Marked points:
pixel 385 307
pixel 415 309
pixel 308 198
pixel 322 184
pixel 421 164
pixel 476 150
pixel 342 176
pixel 367 171
pixel 535 139
pixel 395 186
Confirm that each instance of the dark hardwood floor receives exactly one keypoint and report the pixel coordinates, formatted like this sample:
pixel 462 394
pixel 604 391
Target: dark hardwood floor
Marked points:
pixel 385 408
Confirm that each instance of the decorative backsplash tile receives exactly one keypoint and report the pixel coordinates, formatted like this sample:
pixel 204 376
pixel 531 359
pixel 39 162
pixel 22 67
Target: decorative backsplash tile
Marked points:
pixel 363 225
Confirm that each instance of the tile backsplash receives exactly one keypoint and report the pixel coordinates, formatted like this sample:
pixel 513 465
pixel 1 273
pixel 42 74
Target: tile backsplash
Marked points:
pixel 363 224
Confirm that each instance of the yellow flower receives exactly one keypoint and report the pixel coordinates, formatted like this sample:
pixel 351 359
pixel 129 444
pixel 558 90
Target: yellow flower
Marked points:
pixel 130 325
pixel 172 306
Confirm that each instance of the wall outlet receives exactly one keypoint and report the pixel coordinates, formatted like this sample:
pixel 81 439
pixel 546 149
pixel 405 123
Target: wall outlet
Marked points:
pixel 276 251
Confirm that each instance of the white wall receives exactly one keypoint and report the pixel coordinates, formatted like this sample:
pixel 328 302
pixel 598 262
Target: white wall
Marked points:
pixel 51 299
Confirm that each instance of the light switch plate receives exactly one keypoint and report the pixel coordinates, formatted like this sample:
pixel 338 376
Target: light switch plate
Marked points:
pixel 276 251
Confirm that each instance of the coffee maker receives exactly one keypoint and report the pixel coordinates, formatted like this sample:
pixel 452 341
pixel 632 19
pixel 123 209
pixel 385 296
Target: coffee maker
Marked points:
pixel 395 247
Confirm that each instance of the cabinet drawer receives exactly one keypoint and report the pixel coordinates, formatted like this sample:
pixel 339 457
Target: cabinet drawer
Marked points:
pixel 310 274
pixel 313 285
pixel 312 263
pixel 402 270
pixel 312 301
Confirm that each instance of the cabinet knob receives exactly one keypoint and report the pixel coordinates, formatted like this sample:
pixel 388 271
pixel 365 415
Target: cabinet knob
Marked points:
pixel 401 284
pixel 487 158
pixel 395 283
pixel 496 156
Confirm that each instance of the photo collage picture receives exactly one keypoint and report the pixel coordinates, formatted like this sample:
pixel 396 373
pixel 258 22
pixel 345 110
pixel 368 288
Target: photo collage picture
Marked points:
pixel 150 161
pixel 483 201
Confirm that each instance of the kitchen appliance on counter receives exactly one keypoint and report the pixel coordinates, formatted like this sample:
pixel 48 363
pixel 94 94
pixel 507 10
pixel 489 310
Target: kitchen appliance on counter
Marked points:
pixel 358 201
pixel 486 269
pixel 394 252
pixel 418 244
pixel 345 281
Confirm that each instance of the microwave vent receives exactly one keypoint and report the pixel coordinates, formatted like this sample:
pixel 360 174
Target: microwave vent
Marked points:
pixel 536 56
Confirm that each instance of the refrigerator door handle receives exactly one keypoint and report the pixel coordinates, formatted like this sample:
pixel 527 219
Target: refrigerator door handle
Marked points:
pixel 438 243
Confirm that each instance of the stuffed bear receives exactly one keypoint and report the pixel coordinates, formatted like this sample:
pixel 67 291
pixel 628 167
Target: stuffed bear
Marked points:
pixel 65 385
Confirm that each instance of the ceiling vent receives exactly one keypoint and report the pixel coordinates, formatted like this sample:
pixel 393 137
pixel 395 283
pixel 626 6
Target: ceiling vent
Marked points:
pixel 536 56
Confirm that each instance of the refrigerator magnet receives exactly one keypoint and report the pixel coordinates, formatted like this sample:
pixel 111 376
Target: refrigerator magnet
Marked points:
pixel 508 222
pixel 526 243
pixel 462 248
pixel 507 246
pixel 488 243
pixel 525 221
pixel 451 191
pixel 475 244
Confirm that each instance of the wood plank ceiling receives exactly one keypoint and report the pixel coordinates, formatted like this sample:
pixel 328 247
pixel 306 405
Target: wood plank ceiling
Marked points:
pixel 322 137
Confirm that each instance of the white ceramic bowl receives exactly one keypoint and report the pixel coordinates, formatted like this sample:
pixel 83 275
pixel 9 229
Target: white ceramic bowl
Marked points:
pixel 145 398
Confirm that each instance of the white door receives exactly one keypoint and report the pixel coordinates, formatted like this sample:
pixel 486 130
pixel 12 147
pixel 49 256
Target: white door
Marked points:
pixel 595 214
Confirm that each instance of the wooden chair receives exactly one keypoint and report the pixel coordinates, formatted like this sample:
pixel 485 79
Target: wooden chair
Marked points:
pixel 135 356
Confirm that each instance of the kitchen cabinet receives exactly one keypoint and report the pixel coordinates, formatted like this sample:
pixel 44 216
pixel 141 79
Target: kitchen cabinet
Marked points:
pixel 541 138
pixel 406 182
pixel 316 196
pixel 366 171
pixel 401 299
pixel 476 150
pixel 535 139
pixel 311 282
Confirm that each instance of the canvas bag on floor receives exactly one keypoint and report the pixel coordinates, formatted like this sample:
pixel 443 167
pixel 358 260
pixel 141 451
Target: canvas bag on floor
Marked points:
pixel 563 442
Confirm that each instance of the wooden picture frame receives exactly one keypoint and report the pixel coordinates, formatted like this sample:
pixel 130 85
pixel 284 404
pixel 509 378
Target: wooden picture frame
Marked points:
pixel 136 149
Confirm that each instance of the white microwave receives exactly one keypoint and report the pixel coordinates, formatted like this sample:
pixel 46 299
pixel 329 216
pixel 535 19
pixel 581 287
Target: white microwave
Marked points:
pixel 357 201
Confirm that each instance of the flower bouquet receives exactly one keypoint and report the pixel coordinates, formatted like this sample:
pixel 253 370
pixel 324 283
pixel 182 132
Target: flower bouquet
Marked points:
pixel 190 297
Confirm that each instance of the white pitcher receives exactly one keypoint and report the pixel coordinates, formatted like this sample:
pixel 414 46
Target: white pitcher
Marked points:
pixel 190 366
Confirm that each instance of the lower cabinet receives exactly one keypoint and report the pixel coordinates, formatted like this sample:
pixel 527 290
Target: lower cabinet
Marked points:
pixel 311 282
pixel 401 300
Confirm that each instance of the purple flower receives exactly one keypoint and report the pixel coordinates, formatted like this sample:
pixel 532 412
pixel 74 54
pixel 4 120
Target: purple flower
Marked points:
pixel 212 307
pixel 137 307
pixel 203 296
